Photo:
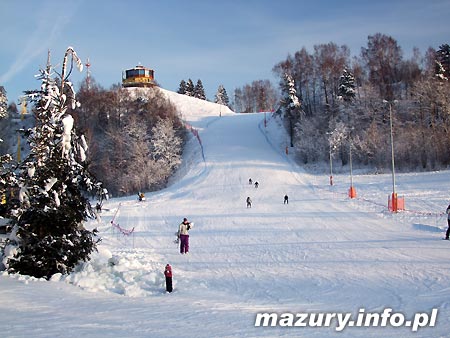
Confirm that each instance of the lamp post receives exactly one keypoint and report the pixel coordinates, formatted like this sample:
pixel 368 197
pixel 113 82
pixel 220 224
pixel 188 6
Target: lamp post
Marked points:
pixel 331 158
pixel 352 190
pixel 331 167
pixel 351 169
pixel 394 194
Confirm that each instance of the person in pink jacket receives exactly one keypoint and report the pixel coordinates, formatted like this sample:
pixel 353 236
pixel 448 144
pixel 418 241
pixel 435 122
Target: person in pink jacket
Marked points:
pixel 183 235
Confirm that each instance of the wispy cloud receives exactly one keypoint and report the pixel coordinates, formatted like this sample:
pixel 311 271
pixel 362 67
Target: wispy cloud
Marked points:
pixel 50 21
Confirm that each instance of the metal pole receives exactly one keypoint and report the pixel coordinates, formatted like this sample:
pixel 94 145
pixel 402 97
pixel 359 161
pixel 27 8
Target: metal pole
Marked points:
pixel 331 167
pixel 394 194
pixel 351 168
pixel 331 157
pixel 392 150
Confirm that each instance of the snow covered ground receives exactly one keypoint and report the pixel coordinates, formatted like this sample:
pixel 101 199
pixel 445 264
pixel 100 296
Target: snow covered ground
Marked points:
pixel 321 253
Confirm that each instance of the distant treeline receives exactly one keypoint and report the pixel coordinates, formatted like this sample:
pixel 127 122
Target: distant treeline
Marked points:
pixel 345 100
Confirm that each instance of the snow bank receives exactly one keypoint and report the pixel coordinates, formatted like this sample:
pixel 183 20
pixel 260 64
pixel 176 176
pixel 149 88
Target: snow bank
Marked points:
pixel 132 274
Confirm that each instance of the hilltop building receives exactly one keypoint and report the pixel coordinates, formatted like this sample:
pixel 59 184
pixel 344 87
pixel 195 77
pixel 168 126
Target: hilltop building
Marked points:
pixel 138 76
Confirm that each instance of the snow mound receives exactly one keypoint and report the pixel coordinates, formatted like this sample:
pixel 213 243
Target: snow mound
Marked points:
pixel 132 274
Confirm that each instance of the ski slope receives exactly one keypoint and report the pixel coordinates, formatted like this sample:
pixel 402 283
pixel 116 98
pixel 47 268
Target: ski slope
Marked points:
pixel 321 253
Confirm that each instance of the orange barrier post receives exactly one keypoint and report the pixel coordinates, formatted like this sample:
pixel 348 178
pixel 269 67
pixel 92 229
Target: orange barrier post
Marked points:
pixel 352 192
pixel 392 203
pixel 396 203
pixel 400 203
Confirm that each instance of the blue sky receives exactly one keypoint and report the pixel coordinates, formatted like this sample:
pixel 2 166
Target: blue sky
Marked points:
pixel 220 42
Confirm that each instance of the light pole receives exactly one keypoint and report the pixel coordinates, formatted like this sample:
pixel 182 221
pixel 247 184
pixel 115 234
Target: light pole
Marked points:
pixel 331 167
pixel 351 169
pixel 394 194
pixel 352 190
pixel 331 158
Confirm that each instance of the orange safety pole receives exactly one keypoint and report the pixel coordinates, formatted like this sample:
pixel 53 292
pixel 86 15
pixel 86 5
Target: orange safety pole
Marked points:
pixel 394 202
pixel 352 192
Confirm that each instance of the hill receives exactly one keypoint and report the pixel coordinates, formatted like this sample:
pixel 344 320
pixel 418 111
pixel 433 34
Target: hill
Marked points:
pixel 321 253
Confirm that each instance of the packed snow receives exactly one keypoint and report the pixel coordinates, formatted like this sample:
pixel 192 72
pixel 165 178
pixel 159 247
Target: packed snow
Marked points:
pixel 320 253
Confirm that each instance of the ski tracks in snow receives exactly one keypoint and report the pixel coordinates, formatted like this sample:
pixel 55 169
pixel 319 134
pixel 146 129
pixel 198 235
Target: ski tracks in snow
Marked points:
pixel 320 252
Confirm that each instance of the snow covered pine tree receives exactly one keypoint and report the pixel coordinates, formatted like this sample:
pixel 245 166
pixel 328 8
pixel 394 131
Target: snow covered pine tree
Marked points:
pixel 221 96
pixel 47 234
pixel 290 104
pixel 7 175
pixel 346 88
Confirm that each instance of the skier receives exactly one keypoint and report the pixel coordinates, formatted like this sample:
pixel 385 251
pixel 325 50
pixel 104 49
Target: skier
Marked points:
pixel 168 275
pixel 286 199
pixel 249 202
pixel 141 196
pixel 250 181
pixel 256 184
pixel 447 234
pixel 183 235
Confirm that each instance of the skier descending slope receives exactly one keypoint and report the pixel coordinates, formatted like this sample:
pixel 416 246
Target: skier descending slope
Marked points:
pixel 249 202
pixel 183 235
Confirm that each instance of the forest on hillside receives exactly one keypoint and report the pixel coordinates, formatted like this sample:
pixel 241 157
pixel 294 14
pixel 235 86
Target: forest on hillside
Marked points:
pixel 344 101
pixel 135 136
pixel 331 101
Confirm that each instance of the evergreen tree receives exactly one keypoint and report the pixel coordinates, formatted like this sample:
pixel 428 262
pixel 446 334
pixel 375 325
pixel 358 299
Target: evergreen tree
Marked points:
pixel 290 104
pixel 182 89
pixel 7 179
pixel 443 61
pixel 347 86
pixel 3 103
pixel 3 115
pixel 189 88
pixel 47 235
pixel 221 96
pixel 440 71
pixel 199 91
pixel 7 175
